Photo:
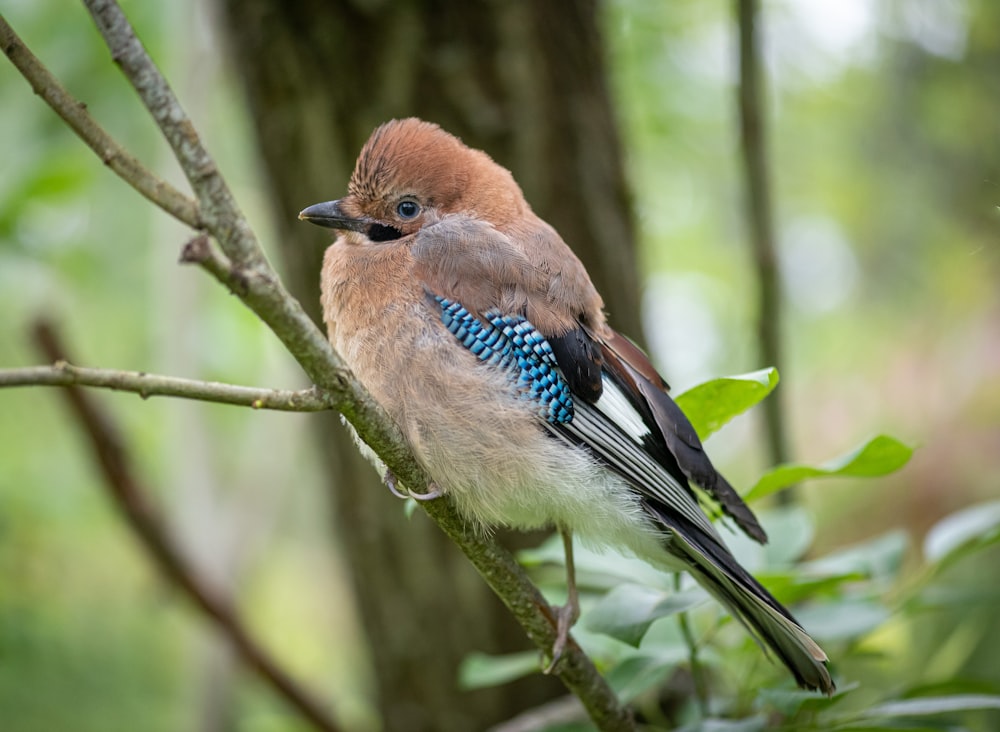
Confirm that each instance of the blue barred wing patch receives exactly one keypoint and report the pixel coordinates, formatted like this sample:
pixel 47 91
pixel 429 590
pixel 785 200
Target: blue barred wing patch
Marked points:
pixel 512 344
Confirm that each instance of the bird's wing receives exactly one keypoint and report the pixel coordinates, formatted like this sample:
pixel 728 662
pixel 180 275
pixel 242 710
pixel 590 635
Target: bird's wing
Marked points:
pixel 649 428
pixel 609 427
pixel 622 411
pixel 631 369
pixel 469 261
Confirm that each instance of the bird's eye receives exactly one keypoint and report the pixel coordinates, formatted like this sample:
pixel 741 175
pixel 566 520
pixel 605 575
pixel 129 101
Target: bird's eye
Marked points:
pixel 407 209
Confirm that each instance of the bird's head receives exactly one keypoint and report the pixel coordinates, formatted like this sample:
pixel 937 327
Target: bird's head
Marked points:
pixel 409 174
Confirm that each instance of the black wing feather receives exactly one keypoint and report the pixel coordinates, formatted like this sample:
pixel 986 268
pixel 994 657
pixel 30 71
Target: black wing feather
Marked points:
pixel 672 441
pixel 581 361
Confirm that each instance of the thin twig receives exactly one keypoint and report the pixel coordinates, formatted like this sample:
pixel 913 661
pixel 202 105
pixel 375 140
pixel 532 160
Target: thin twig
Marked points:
pixel 697 671
pixel 757 186
pixel 222 215
pixel 131 497
pixel 148 385
pixel 75 114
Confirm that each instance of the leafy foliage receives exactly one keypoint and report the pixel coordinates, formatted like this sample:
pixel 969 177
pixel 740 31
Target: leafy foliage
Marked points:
pixel 880 455
pixel 851 600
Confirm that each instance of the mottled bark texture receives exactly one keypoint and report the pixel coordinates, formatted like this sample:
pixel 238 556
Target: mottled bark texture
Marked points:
pixel 523 80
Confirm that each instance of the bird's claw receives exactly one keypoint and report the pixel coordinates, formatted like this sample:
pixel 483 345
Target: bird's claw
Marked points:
pixel 392 484
pixel 566 617
pixel 433 490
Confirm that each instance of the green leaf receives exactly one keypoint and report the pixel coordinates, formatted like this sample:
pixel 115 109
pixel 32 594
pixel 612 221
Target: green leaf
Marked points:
pixel 963 531
pixel 879 557
pixel 791 701
pixel 791 587
pixel 955 686
pixel 879 456
pixel 845 619
pixel 711 724
pixel 883 726
pixel 637 674
pixel 791 530
pixel 925 706
pixel 481 670
pixel 710 405
pixel 628 610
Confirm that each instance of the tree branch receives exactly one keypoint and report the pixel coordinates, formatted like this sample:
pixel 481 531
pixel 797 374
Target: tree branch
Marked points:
pixel 243 268
pixel 74 113
pixel 131 498
pixel 757 186
pixel 146 385
pixel 222 215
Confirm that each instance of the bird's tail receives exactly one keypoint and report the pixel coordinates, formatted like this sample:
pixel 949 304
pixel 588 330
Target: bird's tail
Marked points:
pixel 771 625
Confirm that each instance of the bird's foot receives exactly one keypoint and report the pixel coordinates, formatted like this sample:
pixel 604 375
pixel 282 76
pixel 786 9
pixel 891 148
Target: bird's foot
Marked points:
pixel 392 484
pixel 566 617
pixel 568 614
pixel 433 490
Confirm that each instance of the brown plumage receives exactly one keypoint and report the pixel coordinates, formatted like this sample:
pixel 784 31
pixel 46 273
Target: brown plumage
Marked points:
pixel 495 229
pixel 427 222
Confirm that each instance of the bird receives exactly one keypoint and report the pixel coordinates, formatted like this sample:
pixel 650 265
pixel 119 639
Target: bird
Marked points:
pixel 478 330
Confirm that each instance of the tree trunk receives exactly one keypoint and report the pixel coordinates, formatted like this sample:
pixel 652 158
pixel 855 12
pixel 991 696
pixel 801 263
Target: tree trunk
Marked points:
pixel 522 80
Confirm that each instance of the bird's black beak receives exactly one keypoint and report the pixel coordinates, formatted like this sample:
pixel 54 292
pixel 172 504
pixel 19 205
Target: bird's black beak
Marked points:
pixel 331 216
pixel 328 214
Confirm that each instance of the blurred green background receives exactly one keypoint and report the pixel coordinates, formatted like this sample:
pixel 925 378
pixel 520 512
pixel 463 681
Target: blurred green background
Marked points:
pixel 885 129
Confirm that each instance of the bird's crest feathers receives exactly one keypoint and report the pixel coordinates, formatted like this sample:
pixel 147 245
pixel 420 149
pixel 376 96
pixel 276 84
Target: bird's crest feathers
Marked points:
pixel 413 157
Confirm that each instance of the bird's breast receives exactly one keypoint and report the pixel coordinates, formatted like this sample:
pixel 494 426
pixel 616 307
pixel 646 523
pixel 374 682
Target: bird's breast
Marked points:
pixel 467 422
